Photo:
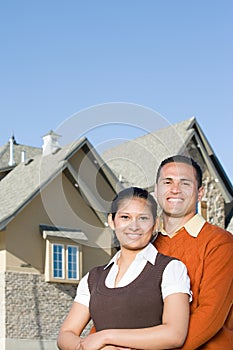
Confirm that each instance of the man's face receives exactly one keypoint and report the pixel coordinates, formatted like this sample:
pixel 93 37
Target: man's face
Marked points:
pixel 177 190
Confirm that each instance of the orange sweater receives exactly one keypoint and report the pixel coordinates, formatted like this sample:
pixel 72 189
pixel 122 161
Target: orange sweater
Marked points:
pixel 209 259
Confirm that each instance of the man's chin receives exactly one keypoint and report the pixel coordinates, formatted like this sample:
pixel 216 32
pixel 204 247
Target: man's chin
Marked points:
pixel 174 214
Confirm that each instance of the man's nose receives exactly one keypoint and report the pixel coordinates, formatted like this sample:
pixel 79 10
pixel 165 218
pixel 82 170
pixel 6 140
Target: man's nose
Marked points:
pixel 175 187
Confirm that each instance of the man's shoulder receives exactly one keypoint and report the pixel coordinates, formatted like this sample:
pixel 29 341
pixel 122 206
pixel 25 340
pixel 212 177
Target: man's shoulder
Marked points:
pixel 217 234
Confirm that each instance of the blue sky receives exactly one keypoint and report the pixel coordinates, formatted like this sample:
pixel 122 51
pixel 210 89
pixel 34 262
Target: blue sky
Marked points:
pixel 60 57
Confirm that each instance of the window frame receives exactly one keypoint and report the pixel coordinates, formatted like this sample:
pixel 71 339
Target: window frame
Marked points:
pixel 49 261
pixel 62 260
pixel 77 261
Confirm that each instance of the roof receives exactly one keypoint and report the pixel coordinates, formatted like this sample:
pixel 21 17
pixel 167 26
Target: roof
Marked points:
pixel 136 161
pixel 62 232
pixel 30 152
pixel 26 180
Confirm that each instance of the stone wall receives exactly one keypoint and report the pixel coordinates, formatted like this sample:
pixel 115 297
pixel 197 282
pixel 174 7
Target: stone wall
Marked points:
pixel 212 196
pixel 215 202
pixel 35 309
pixel 2 309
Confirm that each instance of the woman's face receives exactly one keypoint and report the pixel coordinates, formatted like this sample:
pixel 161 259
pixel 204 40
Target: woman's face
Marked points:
pixel 133 223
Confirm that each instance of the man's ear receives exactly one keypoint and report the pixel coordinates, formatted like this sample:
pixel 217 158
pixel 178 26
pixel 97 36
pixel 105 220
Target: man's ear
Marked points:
pixel 111 222
pixel 200 193
pixel 155 191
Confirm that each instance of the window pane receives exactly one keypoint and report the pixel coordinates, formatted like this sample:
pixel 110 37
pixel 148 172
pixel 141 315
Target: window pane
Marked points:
pixel 58 260
pixel 72 262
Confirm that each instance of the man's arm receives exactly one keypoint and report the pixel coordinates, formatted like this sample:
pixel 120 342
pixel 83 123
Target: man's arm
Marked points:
pixel 215 297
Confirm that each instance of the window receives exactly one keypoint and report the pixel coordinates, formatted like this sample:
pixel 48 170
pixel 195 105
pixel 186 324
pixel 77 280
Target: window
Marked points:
pixel 72 262
pixel 65 261
pixel 63 253
pixel 58 261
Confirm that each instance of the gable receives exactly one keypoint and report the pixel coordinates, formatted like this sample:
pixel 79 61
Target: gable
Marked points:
pixel 27 180
pixel 135 162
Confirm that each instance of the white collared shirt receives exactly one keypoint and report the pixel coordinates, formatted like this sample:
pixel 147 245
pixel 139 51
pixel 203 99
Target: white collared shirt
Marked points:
pixel 175 277
pixel 193 226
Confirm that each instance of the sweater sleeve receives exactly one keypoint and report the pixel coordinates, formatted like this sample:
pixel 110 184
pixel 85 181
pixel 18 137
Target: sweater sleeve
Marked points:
pixel 215 296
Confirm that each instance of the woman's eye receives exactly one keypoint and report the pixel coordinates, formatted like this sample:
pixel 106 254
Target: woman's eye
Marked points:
pixel 144 218
pixel 124 217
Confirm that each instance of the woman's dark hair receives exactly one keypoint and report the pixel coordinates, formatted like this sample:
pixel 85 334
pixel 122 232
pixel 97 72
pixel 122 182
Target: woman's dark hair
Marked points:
pixel 130 193
pixel 185 160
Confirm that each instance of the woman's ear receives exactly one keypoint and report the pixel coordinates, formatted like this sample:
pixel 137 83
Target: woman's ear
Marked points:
pixel 111 222
pixel 155 231
pixel 156 225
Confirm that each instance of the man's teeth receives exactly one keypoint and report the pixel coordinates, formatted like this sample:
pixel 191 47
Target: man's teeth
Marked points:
pixel 175 200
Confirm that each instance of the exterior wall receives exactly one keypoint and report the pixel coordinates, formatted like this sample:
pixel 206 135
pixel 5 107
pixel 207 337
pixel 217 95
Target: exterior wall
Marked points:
pixel 34 309
pixel 25 245
pixel 2 310
pixel 215 202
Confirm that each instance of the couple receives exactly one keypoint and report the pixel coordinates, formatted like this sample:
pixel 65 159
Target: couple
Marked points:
pixel 206 250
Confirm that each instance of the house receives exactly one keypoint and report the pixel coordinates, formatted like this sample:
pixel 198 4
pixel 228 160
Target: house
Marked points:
pixel 135 163
pixel 53 215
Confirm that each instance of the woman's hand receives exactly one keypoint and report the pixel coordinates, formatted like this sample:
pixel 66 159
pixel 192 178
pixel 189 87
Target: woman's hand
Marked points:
pixel 97 341
pixel 93 341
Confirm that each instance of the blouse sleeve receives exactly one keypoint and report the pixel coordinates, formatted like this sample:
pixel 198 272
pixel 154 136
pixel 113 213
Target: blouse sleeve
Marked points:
pixel 175 279
pixel 82 293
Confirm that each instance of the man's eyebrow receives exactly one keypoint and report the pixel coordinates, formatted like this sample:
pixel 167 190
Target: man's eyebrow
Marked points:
pixel 172 178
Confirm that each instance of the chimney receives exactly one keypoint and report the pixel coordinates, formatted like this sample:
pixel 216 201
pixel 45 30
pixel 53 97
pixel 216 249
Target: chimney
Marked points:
pixel 12 142
pixel 23 156
pixel 51 144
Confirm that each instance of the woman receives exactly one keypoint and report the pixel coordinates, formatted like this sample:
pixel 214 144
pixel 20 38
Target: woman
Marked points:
pixel 140 299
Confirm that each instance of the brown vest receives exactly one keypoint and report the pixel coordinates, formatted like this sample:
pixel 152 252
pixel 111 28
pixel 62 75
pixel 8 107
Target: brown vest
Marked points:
pixel 137 305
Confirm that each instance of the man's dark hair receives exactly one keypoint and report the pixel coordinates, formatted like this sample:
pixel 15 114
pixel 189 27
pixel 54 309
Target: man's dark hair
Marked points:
pixel 185 160
pixel 130 193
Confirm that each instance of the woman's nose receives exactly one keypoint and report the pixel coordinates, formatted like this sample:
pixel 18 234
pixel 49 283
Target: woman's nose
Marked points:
pixel 134 224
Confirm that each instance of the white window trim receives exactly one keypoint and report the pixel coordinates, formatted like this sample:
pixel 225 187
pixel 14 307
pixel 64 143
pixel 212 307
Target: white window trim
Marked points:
pixel 49 273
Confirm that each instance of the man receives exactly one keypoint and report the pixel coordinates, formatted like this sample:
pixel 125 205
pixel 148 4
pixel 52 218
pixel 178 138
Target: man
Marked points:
pixel 207 251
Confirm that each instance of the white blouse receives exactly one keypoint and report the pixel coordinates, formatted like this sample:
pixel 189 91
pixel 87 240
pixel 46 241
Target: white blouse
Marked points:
pixel 175 277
